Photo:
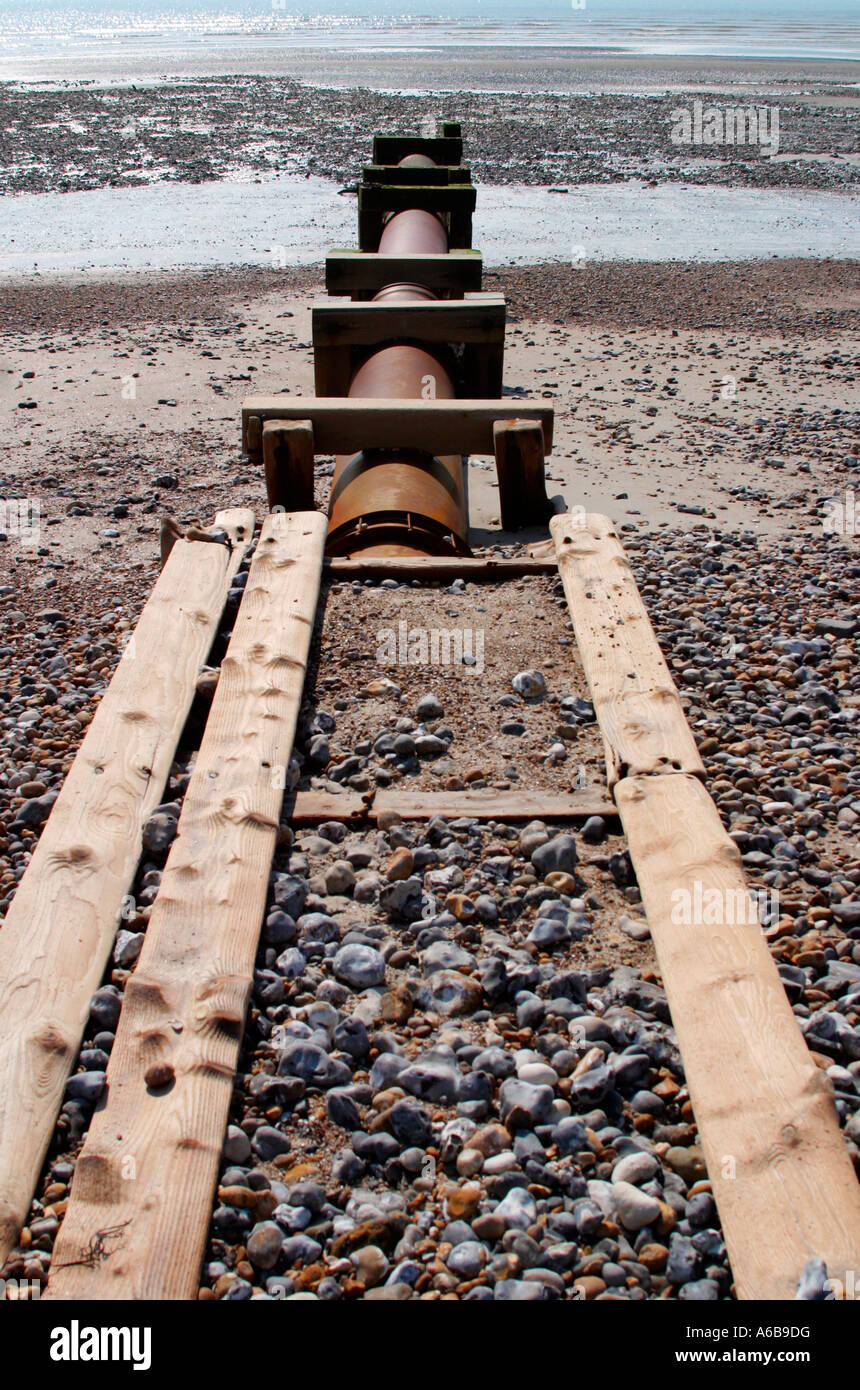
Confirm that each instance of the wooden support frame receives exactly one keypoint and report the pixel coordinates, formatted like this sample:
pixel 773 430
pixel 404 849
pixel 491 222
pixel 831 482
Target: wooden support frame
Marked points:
pixel 170 1077
pixel 344 426
pixel 442 149
pixel 441 174
pixel 454 203
pixel 59 931
pixel 781 1175
pixel 475 325
pixel 520 466
pixel 288 463
pixel 362 274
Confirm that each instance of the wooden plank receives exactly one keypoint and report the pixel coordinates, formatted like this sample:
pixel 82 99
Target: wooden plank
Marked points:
pixel 185 1004
pixel 475 569
pixel 409 174
pixel 520 467
pixel 310 807
pixel 346 426
pixel 442 149
pixel 477 324
pixel 781 1175
pixel 364 273
pixel 288 464
pixel 57 937
pixel 338 322
pixel 637 704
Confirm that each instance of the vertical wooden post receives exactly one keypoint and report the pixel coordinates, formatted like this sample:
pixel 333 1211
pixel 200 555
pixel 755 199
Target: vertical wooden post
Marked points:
pixel 288 460
pixel 519 446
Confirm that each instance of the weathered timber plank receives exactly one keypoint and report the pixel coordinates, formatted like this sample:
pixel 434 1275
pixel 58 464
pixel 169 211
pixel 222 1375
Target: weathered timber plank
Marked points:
pixel 410 174
pixel 637 704
pixel 310 807
pixel 442 149
pixel 346 426
pixel 364 273
pixel 185 1004
pixel 475 568
pixel 58 933
pixel 468 320
pixel 782 1179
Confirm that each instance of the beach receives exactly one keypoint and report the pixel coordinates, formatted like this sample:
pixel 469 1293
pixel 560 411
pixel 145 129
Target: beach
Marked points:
pixel 459 1076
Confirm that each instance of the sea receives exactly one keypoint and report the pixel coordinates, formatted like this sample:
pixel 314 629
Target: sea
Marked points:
pixel 33 32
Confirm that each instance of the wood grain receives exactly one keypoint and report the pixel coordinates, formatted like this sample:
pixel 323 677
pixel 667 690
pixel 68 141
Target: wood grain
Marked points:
pixel 309 808
pixel 148 1169
pixel 346 426
pixel 60 928
pixel 475 568
pixel 781 1175
pixel 639 709
pixel 362 274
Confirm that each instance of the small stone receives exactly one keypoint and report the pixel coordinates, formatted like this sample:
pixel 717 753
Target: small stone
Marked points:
pixel 463 1201
pixel 360 967
pixel 524 1106
pixel 594 830
pixel 633 1208
pixel 429 707
pixel 556 856
pixel 371 1265
pixel 531 685
pixel 687 1163
pixel 339 878
pixel 449 993
pixel 400 865
pixel 264 1244
pixel 237 1146
pixel 518 1209
pixel 636 1168
pixel 268 1143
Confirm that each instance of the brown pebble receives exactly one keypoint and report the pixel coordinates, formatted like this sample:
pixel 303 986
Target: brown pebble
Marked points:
pixel 400 865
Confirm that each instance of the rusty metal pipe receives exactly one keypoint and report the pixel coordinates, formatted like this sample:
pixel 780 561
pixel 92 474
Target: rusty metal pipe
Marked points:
pixel 401 502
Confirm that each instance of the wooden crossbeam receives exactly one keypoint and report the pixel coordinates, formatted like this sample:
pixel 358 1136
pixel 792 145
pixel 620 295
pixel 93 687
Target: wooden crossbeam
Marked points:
pixel 409 174
pixel 475 323
pixel 363 273
pixel 57 937
pixel 148 1169
pixel 637 704
pixel 346 426
pixel 442 149
pixel 474 569
pixel 454 203
pixel 309 808
pixel 781 1176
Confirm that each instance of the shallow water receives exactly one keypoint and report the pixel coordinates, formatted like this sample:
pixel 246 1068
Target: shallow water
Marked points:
pixel 285 220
